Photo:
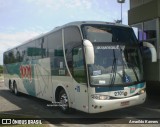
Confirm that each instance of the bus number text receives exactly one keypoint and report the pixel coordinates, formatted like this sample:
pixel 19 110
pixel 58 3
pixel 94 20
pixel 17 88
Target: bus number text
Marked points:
pixel 118 93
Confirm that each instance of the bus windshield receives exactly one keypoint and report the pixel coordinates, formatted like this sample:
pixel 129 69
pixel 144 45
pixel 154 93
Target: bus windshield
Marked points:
pixel 115 64
pixel 117 57
pixel 106 33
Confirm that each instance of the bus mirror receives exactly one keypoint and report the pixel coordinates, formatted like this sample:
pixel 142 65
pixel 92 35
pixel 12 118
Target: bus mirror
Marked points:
pixel 135 29
pixel 152 49
pixel 89 52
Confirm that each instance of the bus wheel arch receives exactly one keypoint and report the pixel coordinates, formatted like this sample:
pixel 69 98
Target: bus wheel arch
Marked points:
pixel 62 97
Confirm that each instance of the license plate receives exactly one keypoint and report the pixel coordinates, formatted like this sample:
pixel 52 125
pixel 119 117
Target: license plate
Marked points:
pixel 124 103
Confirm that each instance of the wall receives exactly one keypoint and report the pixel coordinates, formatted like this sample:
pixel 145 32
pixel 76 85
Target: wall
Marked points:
pixel 144 12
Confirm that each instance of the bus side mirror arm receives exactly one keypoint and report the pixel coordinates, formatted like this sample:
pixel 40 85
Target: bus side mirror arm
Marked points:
pixel 152 49
pixel 88 51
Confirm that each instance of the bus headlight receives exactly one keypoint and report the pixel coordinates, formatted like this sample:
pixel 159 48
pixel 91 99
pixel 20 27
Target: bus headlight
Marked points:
pixel 100 97
pixel 142 91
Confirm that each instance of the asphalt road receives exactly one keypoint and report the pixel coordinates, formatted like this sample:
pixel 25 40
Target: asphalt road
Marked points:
pixel 33 107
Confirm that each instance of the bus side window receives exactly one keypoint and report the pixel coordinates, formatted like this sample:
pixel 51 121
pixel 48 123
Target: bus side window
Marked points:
pixel 73 43
pixel 78 65
pixel 55 52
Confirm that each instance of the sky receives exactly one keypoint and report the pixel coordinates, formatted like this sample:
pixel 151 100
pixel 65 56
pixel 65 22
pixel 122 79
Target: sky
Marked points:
pixel 21 20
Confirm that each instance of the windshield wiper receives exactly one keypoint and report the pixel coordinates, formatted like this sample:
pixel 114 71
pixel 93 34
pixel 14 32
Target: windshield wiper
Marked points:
pixel 114 69
pixel 124 73
pixel 133 68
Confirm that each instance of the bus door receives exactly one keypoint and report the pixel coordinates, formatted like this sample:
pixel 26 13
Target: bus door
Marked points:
pixel 80 82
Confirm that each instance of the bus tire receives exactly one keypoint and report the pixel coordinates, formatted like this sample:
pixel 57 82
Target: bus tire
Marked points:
pixel 15 90
pixel 10 86
pixel 64 102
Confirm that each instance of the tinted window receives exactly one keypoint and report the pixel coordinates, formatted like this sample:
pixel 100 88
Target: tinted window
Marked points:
pixel 41 49
pixel 78 65
pixel 74 52
pixel 30 51
pixel 22 53
pixel 72 39
pixel 17 55
pixel 105 33
pixel 5 58
pixel 11 57
pixel 55 53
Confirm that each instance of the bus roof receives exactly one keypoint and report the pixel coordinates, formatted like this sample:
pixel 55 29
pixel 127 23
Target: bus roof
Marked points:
pixel 79 23
pixel 75 23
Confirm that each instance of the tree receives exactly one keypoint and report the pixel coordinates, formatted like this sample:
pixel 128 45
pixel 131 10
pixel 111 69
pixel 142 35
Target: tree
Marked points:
pixel 1 69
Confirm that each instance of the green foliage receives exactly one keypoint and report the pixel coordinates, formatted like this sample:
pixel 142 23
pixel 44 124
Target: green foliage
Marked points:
pixel 1 69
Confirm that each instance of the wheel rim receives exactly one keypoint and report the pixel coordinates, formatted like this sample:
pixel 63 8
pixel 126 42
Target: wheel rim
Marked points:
pixel 64 101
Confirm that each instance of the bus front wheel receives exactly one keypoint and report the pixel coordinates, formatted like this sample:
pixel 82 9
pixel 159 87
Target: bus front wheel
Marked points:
pixel 63 100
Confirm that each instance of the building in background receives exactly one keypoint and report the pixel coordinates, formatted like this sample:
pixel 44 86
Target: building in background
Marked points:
pixel 145 15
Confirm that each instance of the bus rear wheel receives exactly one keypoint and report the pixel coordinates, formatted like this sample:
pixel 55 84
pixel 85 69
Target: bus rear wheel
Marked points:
pixel 15 88
pixel 64 103
pixel 10 87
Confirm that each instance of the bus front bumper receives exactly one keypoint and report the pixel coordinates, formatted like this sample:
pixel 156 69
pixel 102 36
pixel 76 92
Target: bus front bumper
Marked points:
pixel 97 106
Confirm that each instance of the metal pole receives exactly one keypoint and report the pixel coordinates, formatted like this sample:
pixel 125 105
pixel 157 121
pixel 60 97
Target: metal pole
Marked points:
pixel 121 2
pixel 121 13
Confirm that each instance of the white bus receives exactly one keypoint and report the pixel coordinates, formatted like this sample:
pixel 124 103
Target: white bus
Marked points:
pixel 89 66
